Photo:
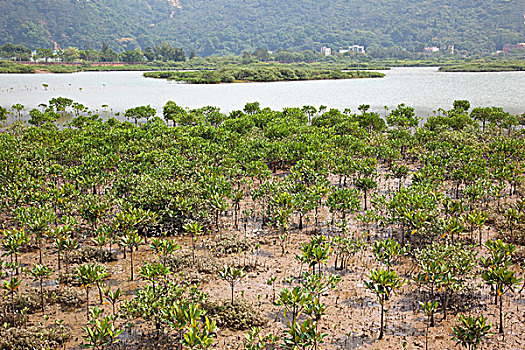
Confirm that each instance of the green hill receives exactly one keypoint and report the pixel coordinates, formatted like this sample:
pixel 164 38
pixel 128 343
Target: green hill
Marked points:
pixel 221 26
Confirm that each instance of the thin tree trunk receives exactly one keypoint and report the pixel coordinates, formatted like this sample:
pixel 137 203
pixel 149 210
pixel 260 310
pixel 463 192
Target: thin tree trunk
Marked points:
pixel 445 305
pixel 432 298
pixel 40 250
pixel 87 303
pixel 236 221
pixel 131 261
pixel 100 293
pixel 193 249
pixel 13 304
pixel 42 296
pixel 501 314
pixel 426 335
pixel 381 327
pixel 480 235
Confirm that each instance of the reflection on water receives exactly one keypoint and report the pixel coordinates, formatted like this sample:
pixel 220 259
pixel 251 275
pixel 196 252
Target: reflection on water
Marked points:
pixel 426 89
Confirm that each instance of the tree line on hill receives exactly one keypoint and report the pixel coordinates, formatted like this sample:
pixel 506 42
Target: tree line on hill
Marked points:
pixel 386 28
pixel 164 52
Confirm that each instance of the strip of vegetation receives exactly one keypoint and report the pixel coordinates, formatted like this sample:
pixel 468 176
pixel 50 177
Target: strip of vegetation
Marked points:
pixel 10 67
pixel 235 75
pixel 486 67
pixel 59 69
pixel 19 68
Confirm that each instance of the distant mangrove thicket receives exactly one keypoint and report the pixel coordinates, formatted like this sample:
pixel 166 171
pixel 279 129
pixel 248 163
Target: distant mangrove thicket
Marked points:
pixel 259 74
pixel 483 66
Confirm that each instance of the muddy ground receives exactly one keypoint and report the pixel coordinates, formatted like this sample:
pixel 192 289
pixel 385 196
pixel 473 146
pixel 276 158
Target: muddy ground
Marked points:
pixel 352 319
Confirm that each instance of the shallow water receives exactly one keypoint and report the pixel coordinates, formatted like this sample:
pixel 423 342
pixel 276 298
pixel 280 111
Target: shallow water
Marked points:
pixel 425 89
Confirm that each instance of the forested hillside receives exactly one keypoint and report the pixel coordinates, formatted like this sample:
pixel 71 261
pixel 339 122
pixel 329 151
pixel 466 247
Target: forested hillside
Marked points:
pixel 220 26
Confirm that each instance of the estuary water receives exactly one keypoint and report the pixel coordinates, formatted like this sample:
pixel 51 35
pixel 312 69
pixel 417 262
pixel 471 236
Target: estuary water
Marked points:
pixel 425 89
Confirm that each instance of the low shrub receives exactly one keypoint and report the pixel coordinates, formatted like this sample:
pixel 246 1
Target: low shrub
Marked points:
pixel 69 278
pixel 191 277
pixel 14 338
pixel 222 245
pixel 31 302
pixel 89 254
pixel 202 264
pixel 239 316
pixel 67 297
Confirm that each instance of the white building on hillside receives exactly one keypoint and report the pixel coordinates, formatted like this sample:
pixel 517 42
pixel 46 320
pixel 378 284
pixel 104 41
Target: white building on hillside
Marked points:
pixel 326 51
pixel 431 49
pixel 357 48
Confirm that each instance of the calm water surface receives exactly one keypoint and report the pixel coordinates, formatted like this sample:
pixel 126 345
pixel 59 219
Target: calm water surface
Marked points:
pixel 426 89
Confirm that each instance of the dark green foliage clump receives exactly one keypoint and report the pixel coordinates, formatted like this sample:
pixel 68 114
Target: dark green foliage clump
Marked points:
pixel 10 67
pixel 483 66
pixel 258 74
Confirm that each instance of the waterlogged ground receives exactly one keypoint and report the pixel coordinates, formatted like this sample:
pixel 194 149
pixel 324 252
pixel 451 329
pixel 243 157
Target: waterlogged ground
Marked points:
pixel 351 320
